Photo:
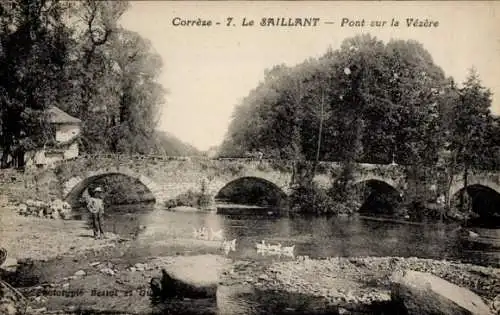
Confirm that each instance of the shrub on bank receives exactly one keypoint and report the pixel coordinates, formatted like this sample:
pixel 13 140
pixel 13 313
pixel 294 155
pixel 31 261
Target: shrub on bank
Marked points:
pixel 317 201
pixel 190 199
pixel 204 201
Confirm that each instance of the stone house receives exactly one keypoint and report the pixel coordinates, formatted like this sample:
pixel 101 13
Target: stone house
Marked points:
pixel 66 131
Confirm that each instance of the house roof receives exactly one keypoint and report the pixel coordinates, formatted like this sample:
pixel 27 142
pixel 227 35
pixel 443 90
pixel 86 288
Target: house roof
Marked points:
pixel 57 116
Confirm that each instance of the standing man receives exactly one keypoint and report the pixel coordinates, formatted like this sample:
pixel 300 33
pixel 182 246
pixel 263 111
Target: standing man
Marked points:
pixel 95 205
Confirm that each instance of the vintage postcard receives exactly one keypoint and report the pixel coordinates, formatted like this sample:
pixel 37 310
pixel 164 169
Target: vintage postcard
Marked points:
pixel 241 157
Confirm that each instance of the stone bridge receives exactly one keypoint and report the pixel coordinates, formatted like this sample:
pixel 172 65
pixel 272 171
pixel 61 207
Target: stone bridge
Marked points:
pixel 486 179
pixel 168 177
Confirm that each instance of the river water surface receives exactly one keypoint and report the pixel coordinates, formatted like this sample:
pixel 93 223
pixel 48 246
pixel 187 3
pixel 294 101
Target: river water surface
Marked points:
pixel 315 237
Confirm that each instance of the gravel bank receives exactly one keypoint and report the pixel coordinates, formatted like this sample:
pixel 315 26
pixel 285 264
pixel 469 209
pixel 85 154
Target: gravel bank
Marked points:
pixel 358 283
pixel 42 239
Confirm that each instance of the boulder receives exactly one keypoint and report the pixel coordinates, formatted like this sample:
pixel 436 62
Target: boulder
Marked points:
pixel 55 215
pixel 140 267
pixel 190 277
pixel 66 215
pixel 423 293
pixel 80 273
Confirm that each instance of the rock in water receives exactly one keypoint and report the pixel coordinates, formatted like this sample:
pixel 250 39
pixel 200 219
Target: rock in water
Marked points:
pixel 192 276
pixel 425 294
pixel 172 287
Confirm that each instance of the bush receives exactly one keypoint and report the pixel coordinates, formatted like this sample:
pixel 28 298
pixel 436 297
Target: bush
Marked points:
pixel 172 203
pixel 315 200
pixel 190 199
pixel 311 200
pixel 204 201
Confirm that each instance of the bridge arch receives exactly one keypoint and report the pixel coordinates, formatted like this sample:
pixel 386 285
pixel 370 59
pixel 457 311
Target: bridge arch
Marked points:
pixel 484 202
pixel 458 185
pixel 74 187
pixel 380 179
pixel 252 190
pixel 381 197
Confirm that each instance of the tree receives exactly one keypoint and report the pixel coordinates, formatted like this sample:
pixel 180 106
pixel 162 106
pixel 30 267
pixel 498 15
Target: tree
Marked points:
pixel 382 102
pixel 139 95
pixel 74 55
pixel 34 43
pixel 112 81
pixel 469 130
pixel 92 84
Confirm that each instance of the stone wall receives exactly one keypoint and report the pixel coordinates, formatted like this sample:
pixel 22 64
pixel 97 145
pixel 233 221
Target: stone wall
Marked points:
pixel 168 177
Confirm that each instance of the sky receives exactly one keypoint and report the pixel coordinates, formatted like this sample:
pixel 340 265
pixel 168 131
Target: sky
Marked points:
pixel 208 70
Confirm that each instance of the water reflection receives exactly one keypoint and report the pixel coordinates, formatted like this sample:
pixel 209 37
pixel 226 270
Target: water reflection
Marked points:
pixel 314 237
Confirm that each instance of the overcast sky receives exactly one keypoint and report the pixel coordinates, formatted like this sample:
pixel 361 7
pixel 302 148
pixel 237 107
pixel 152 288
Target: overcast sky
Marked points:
pixel 208 70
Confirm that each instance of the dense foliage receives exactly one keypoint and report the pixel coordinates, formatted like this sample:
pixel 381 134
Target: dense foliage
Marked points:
pixel 33 51
pixel 403 103
pixel 192 199
pixel 370 102
pixel 168 144
pixel 74 55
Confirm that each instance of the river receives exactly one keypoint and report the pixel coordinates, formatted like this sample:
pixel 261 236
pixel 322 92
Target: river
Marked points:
pixel 315 237
pixel 157 230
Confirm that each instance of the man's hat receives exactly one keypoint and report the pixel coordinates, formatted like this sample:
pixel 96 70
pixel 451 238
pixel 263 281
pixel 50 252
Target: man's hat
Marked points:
pixel 98 189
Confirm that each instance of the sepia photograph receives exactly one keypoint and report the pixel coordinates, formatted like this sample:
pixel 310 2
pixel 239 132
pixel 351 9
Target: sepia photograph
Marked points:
pixel 249 157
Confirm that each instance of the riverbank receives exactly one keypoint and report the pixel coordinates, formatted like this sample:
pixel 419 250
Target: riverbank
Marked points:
pixel 42 239
pixel 97 283
pixel 336 285
pixel 357 285
pixel 74 272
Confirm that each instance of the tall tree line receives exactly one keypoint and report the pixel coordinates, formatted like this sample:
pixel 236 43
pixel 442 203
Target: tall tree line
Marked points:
pixel 372 102
pixel 76 56
pixel 367 101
